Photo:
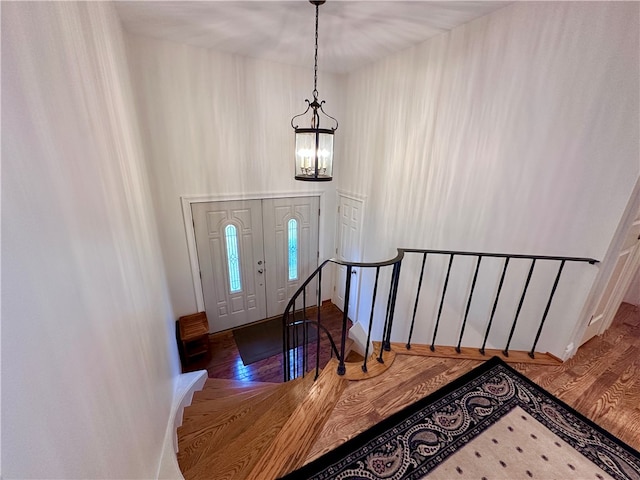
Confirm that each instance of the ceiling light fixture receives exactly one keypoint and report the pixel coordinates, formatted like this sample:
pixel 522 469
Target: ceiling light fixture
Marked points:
pixel 314 146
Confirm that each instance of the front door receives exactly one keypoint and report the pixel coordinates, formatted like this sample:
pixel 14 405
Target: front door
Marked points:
pixel 253 255
pixel 231 257
pixel 291 238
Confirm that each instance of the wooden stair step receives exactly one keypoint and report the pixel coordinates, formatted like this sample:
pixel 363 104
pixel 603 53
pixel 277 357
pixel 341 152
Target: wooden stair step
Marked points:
pixel 211 407
pixel 293 442
pixel 226 383
pixel 208 412
pixel 210 423
pixel 221 393
pixel 229 450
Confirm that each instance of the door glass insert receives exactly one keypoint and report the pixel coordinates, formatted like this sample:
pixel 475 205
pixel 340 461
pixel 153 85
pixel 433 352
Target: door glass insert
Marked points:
pixel 292 228
pixel 233 258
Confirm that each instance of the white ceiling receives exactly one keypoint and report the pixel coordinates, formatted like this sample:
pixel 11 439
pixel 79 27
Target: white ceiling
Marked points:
pixel 351 33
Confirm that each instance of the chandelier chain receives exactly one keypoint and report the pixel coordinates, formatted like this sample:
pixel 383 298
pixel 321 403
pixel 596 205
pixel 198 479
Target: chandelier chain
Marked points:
pixel 315 68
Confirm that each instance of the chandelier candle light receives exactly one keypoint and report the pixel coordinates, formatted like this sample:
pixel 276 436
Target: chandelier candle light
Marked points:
pixel 314 146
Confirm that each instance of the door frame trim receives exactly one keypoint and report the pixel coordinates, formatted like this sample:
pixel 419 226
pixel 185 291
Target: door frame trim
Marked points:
pixel 362 199
pixel 188 199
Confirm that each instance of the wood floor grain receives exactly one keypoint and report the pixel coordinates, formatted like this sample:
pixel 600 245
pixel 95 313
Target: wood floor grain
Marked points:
pixel 602 381
pixel 225 362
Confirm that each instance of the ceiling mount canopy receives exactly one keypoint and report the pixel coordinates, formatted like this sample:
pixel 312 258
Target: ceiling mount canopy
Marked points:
pixel 314 144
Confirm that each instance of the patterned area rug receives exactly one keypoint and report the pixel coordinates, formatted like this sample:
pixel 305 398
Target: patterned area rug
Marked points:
pixel 492 423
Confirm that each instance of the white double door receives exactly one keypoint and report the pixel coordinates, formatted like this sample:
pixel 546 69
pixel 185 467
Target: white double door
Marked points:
pixel 253 256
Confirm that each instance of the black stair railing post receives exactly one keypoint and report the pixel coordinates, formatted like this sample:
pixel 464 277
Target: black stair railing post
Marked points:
pixel 444 291
pixel 305 334
pixel 515 320
pixel 373 304
pixel 546 310
pixel 387 339
pixel 415 305
pixel 341 366
pixel 466 313
pixel 318 319
pixel 380 358
pixel 495 304
pixel 285 346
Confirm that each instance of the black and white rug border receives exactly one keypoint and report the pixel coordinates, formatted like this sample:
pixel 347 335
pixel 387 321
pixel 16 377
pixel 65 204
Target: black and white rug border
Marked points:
pixel 617 459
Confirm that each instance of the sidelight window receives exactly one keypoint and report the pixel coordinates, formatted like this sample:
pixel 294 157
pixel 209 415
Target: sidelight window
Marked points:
pixel 292 228
pixel 233 258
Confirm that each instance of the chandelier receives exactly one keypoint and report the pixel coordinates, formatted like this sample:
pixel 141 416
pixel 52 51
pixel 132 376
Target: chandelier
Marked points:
pixel 314 144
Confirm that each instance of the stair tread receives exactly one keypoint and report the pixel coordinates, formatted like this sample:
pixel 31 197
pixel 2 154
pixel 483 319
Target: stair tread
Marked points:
pixel 234 392
pixel 206 412
pixel 227 447
pixel 207 425
pixel 226 383
pixel 293 442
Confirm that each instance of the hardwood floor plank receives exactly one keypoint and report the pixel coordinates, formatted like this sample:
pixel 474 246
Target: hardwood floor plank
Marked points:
pixel 225 362
pixel 602 381
pixel 603 409
pixel 237 451
pixel 205 430
pixel 582 390
pixel 293 442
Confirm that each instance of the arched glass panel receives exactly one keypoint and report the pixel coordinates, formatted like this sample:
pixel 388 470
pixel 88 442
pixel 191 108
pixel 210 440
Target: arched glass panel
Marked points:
pixel 233 258
pixel 292 228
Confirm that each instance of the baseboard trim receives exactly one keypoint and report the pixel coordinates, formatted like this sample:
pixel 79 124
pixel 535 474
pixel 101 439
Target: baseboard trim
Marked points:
pixel 184 386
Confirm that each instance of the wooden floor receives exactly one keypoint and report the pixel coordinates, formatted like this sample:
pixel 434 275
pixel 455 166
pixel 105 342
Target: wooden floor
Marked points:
pixel 225 362
pixel 602 381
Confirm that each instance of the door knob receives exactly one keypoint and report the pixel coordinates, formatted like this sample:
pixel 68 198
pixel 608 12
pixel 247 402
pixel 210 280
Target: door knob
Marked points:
pixel 260 271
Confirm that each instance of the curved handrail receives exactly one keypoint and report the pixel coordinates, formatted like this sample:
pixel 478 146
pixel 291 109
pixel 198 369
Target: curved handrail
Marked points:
pixel 291 304
pixel 345 263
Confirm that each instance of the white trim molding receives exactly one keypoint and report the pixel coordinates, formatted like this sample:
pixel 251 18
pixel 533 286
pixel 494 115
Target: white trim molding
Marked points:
pixel 184 386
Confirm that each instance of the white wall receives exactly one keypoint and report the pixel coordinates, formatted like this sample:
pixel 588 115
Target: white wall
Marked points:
pixel 514 133
pixel 218 124
pixel 88 351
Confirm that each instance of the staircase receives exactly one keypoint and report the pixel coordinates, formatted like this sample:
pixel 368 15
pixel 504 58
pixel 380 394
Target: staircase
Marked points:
pixel 262 431
pixel 253 430
pixel 250 430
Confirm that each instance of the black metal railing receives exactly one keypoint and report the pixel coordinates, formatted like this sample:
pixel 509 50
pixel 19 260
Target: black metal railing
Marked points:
pixel 292 352
pixel 295 355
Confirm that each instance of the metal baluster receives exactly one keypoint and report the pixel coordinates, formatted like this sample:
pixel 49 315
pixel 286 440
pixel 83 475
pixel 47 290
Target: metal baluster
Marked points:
pixel 387 341
pixel 290 342
pixel 495 304
pixel 444 291
pixel 285 346
pixel 388 314
pixel 415 306
pixel 319 325
pixel 373 304
pixel 515 320
pixel 341 366
pixel 546 310
pixel 466 313
pixel 305 334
